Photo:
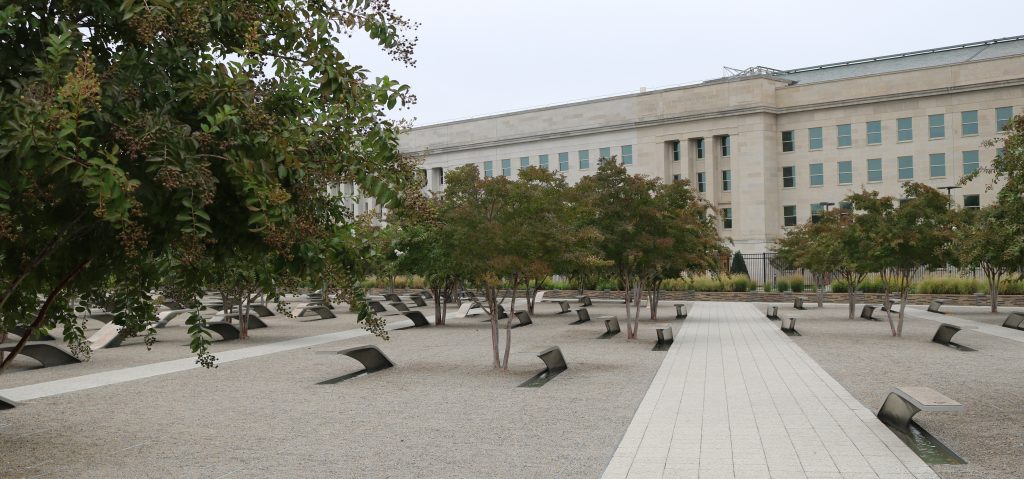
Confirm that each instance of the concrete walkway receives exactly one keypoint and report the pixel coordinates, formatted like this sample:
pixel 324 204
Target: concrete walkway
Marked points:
pixel 736 398
pixel 117 376
pixel 981 327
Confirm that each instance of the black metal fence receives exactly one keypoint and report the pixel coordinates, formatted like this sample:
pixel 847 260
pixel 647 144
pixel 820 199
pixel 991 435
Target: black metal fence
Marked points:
pixel 765 268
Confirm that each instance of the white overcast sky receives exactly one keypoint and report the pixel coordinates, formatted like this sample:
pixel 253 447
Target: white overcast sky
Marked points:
pixel 479 57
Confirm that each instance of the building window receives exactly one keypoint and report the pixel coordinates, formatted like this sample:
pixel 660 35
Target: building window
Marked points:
pixel 604 153
pixel 726 145
pixel 675 150
pixel 845 205
pixel 488 169
pixel 905 165
pixel 700 148
pixel 845 172
pixel 627 154
pixel 969 122
pixel 875 170
pixel 937 165
pixel 788 141
pixel 971 162
pixel 1003 116
pixel 817 174
pixel 972 202
pixel 816 210
pixel 789 215
pixel 905 129
pixel 936 126
pixel 543 161
pixel 506 167
pixel 727 218
pixel 814 135
pixel 701 182
pixel 524 162
pixel 726 180
pixel 789 177
pixel 844 135
pixel 584 159
pixel 676 178
pixel 563 162
pixel 874 133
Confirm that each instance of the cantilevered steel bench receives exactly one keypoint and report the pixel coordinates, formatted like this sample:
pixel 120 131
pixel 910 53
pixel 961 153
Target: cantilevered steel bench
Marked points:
pixel 583 316
pixel 524 319
pixel 321 310
pixel 798 302
pixel 935 304
pixel 586 301
pixel 611 327
pixel 681 311
pixel 47 354
pixel 418 319
pixel 564 305
pixel 109 336
pixel 7 403
pixel 772 313
pixel 903 403
pixel 788 326
pixel 418 300
pixel 379 308
pixel 944 336
pixel 665 335
pixel 227 331
pixel 1014 321
pixel 371 357
pixel 49 335
pixel 868 312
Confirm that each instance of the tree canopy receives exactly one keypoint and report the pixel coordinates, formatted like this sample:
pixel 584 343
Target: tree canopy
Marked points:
pixel 148 145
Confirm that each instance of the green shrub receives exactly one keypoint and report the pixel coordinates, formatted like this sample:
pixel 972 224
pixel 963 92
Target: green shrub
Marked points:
pixel 947 285
pixel 739 283
pixel 707 284
pixel 796 283
pixel 767 287
pixel 1008 286
pixel 739 265
pixel 783 284
pixel 840 286
pixel 675 284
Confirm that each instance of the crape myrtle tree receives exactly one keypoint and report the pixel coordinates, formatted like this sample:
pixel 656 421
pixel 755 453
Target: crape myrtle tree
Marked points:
pixel 833 245
pixel 146 142
pixel 901 238
pixel 507 234
pixel 995 240
pixel 981 240
pixel 649 230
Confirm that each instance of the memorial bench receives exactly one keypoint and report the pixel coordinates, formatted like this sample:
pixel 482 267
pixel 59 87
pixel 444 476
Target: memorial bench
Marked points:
pixel 7 403
pixel 772 313
pixel 1014 321
pixel 371 357
pixel 47 354
pixel 798 302
pixel 944 336
pixel 681 311
pixel 788 325
pixel 524 319
pixel 226 330
pixel 665 335
pixel 583 316
pixel 319 308
pixel 904 402
pixel 868 312
pixel 418 319
pixel 564 305
pixel 935 304
pixel 611 327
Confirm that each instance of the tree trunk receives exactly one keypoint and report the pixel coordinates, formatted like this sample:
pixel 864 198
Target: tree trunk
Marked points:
pixel 508 324
pixel 904 290
pixel 851 297
pixel 492 298
pixel 438 318
pixel 637 300
pixel 886 291
pixel 993 288
pixel 31 329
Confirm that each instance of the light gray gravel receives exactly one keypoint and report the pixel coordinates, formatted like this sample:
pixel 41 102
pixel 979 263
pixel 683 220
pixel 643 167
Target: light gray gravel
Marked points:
pixel 864 357
pixel 442 412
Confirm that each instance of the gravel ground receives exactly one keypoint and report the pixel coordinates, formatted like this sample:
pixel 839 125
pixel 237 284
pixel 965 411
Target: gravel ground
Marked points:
pixel 982 314
pixel 441 412
pixel 868 361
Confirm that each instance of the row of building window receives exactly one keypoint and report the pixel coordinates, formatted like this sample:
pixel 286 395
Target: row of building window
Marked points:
pixel 904 169
pixel 904 130
pixel 724 147
pixel 543 161
pixel 789 217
